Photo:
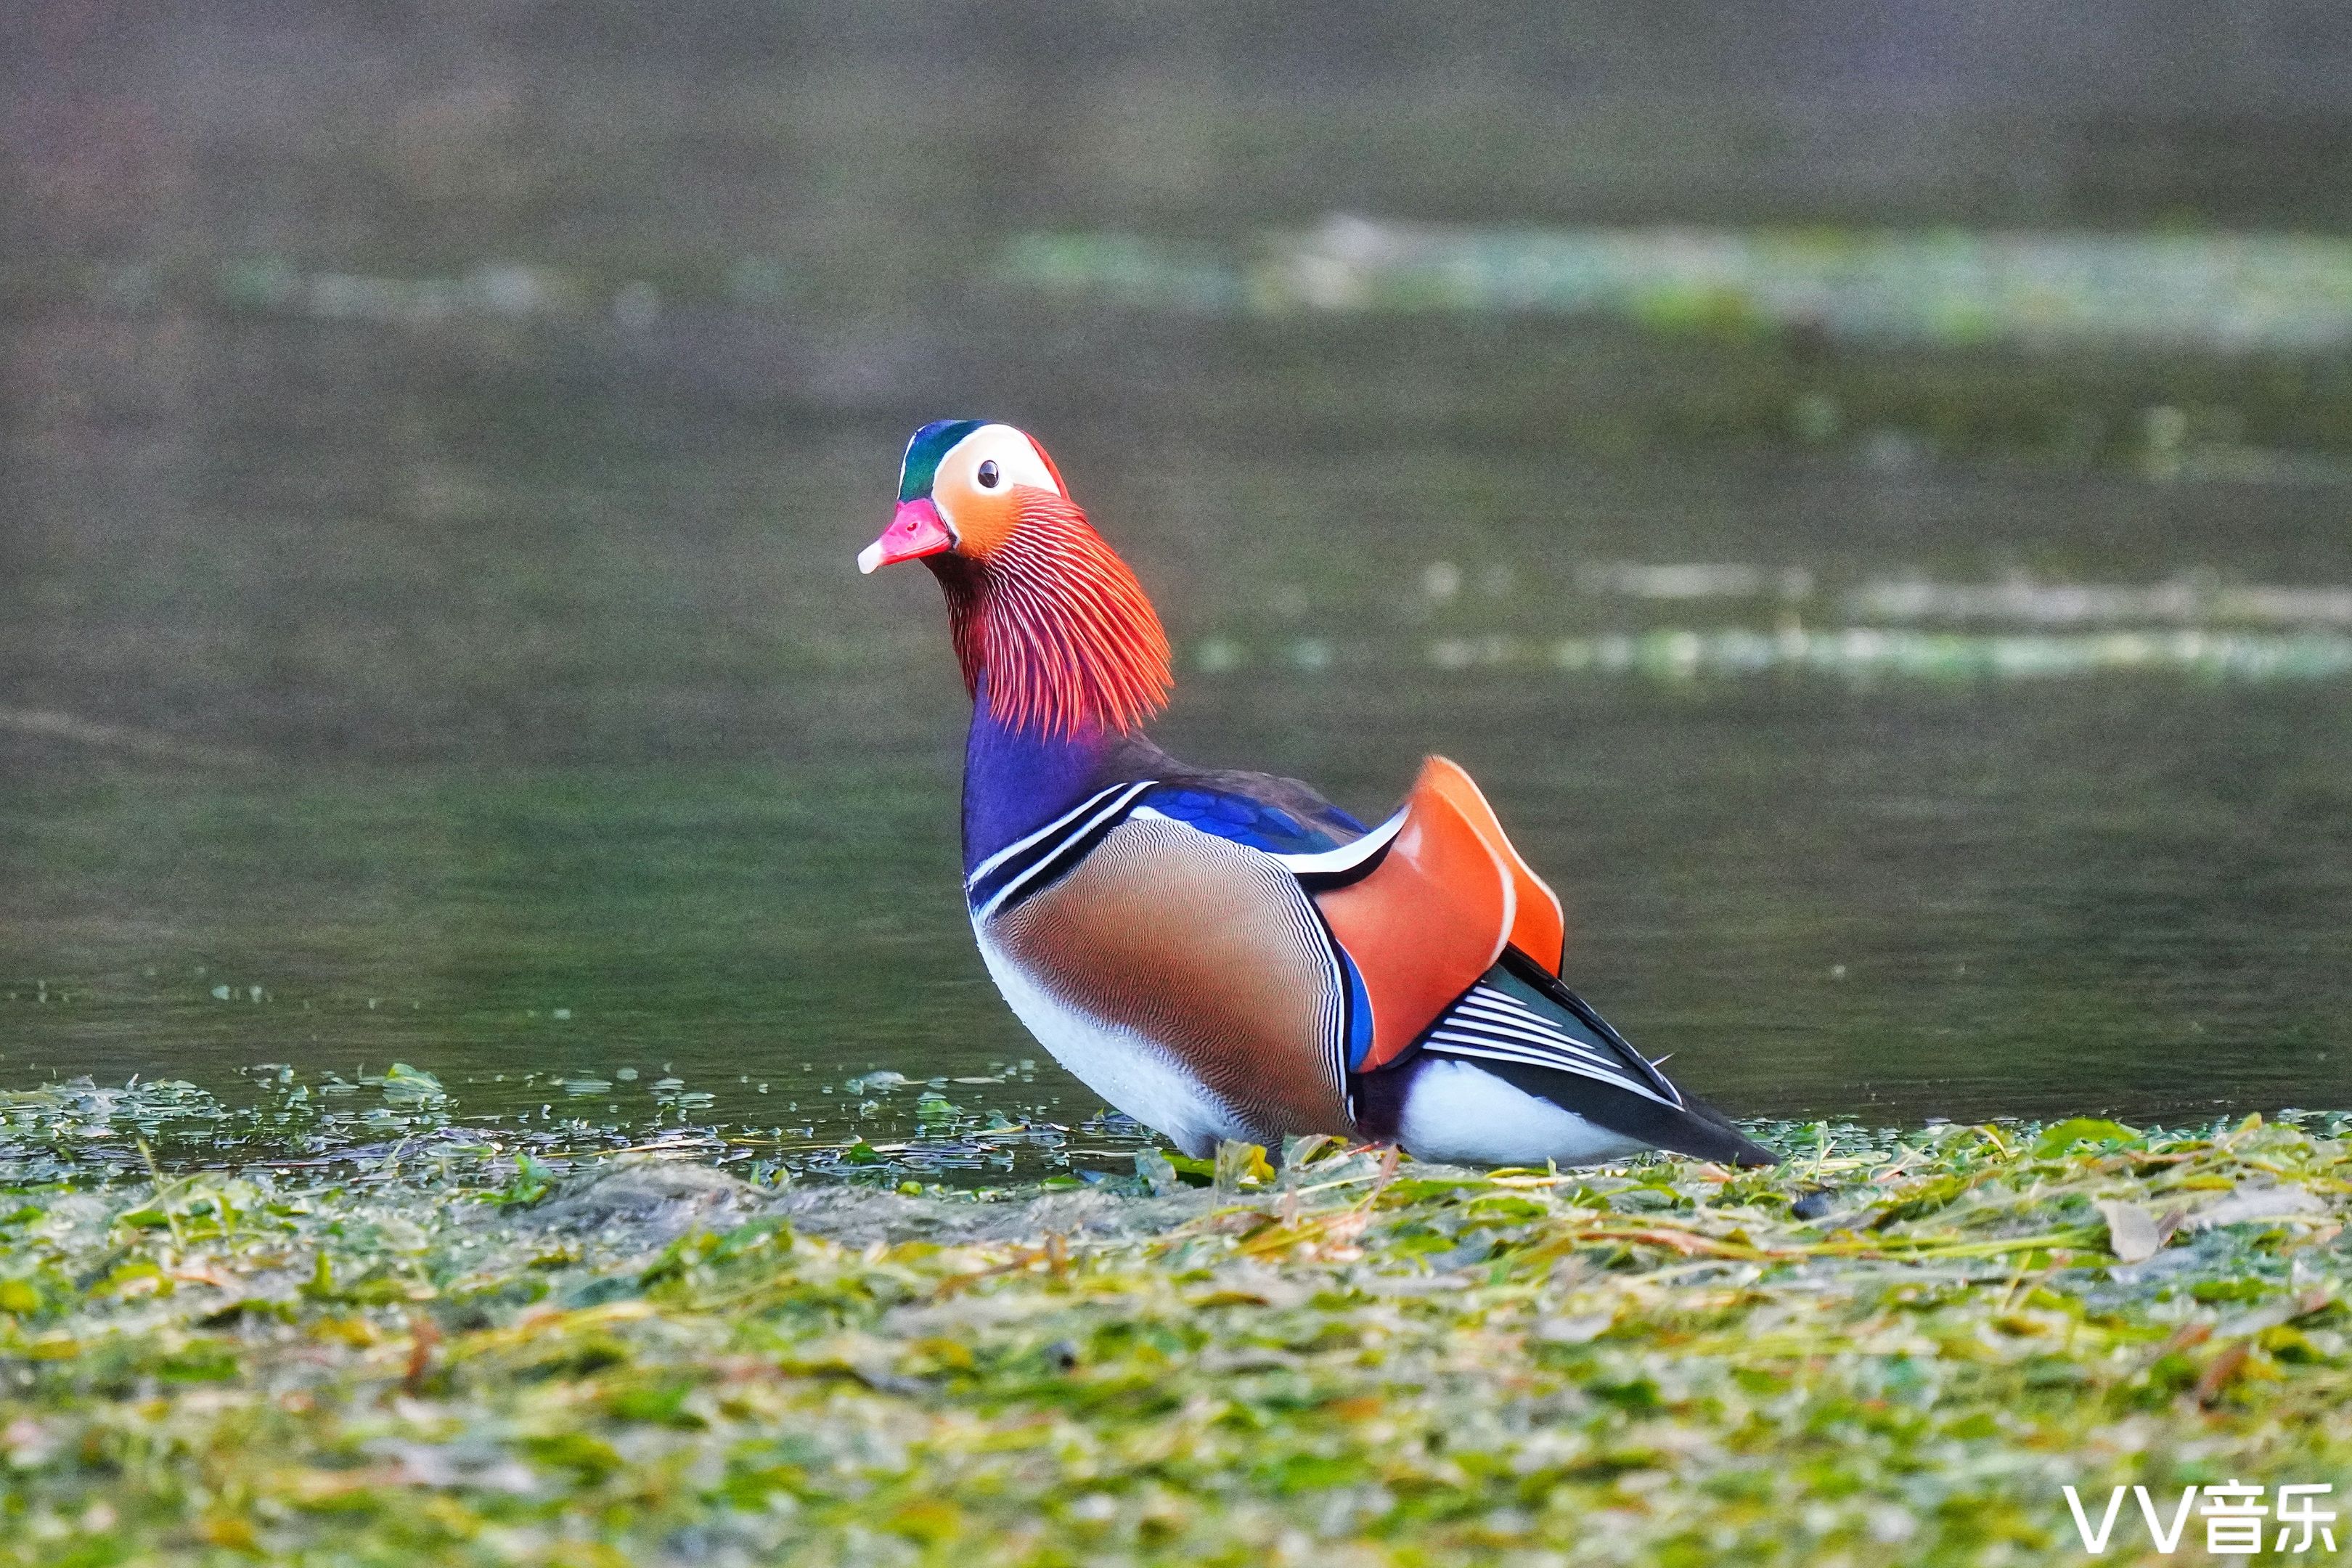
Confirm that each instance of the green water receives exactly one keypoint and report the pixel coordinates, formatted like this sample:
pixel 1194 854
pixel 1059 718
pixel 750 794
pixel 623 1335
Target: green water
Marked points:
pixel 507 705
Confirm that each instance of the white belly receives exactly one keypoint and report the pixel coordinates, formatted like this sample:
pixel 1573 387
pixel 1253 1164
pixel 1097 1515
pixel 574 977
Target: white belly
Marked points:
pixel 1456 1114
pixel 1122 1066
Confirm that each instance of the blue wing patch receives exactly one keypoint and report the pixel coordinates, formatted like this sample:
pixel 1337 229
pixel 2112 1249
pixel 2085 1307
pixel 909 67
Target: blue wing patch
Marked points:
pixel 1241 819
pixel 1359 1012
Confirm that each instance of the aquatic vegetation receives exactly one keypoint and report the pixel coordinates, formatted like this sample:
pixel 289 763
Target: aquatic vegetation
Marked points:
pixel 1675 655
pixel 1892 1348
pixel 403 1123
pixel 2229 292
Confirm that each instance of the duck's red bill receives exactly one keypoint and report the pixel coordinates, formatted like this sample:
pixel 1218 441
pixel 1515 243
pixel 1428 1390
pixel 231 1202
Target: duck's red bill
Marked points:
pixel 916 531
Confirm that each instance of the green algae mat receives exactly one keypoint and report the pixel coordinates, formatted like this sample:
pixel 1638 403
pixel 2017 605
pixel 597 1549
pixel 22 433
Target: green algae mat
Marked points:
pixel 1895 1348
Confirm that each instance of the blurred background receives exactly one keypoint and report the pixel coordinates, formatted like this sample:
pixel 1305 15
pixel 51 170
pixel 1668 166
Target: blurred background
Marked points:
pixel 1863 486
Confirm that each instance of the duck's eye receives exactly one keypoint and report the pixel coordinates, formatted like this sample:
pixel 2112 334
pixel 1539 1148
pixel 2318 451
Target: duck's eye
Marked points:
pixel 988 475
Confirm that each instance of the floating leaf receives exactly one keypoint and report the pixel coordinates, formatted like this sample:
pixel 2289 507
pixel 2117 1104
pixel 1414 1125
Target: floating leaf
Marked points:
pixel 2064 1136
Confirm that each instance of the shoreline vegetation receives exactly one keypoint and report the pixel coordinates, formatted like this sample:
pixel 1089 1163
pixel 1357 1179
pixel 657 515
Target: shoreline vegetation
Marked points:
pixel 1896 1347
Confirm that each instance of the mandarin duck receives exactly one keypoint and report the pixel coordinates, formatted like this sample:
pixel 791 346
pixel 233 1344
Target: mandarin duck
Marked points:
pixel 1228 955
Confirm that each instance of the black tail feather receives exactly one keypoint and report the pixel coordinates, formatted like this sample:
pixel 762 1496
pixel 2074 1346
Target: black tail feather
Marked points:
pixel 1688 1126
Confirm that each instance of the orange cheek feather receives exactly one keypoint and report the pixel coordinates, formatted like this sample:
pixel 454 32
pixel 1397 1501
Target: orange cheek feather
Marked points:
pixel 983 520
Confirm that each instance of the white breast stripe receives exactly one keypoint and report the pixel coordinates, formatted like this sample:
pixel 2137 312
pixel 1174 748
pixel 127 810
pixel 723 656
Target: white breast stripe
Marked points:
pixel 1046 860
pixel 1049 830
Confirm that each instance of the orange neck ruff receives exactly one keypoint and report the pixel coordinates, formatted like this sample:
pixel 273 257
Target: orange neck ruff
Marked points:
pixel 1058 623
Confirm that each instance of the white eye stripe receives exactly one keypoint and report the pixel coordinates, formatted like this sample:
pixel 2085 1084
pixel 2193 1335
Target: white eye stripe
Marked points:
pixel 1015 454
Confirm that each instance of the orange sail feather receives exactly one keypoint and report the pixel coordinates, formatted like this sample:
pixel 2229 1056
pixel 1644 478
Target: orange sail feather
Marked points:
pixel 1437 911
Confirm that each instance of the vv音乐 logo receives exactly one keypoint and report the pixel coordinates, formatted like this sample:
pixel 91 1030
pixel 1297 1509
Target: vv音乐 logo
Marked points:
pixel 2235 1516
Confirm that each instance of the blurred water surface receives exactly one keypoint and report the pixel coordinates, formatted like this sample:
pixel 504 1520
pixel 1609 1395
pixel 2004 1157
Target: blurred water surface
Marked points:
pixel 441 688
pixel 428 630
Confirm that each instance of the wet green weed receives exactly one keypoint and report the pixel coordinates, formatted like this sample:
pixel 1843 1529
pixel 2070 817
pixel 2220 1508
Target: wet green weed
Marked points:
pixel 1892 1348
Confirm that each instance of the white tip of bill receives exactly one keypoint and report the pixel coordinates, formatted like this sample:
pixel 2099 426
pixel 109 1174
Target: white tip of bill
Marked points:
pixel 870 557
